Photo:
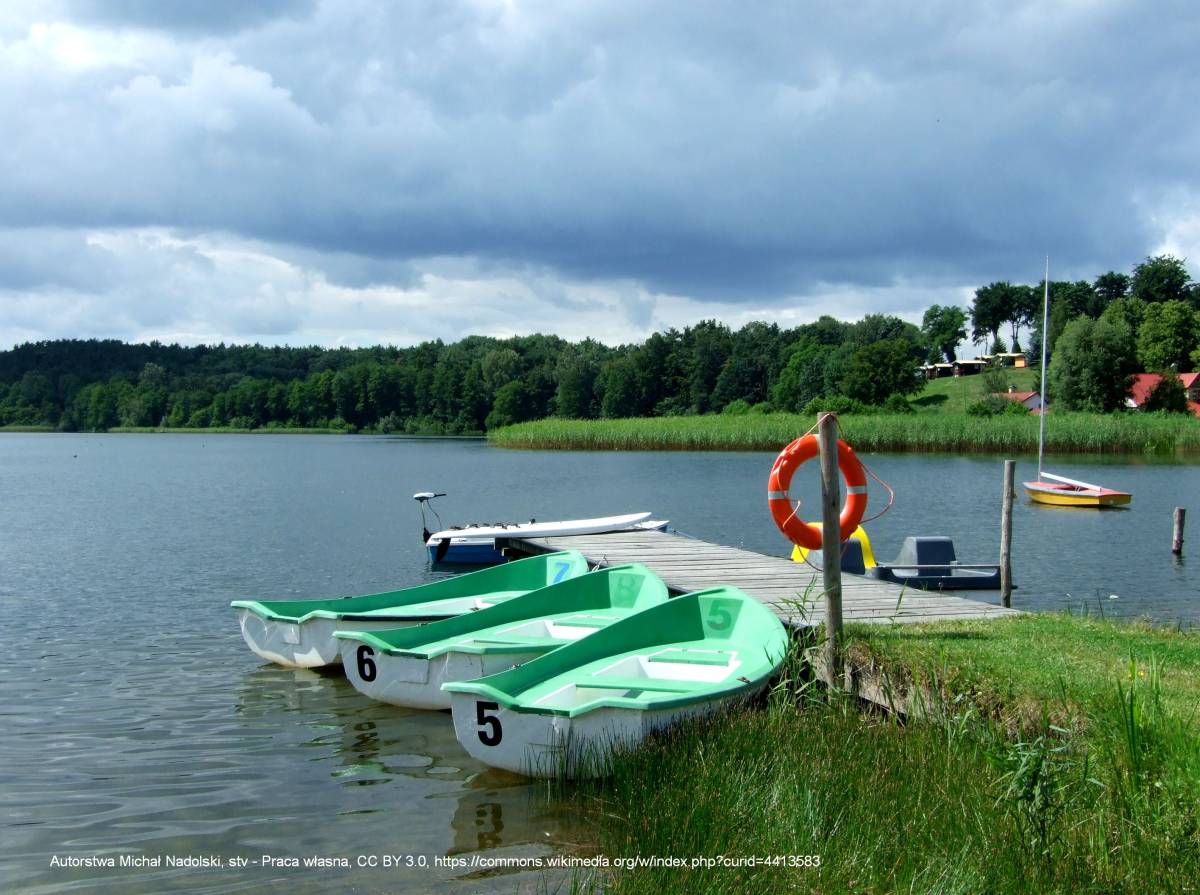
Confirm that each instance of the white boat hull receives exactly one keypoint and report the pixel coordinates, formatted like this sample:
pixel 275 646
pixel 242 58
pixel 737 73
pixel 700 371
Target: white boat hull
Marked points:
pixel 415 682
pixel 307 644
pixel 540 745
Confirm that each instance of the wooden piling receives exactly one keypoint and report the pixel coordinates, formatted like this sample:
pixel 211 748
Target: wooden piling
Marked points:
pixel 1006 508
pixel 1177 531
pixel 831 543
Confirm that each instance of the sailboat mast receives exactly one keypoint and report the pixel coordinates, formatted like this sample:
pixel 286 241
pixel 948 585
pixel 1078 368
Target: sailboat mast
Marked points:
pixel 1045 330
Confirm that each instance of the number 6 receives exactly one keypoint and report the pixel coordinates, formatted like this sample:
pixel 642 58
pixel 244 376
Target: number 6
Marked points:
pixel 366 667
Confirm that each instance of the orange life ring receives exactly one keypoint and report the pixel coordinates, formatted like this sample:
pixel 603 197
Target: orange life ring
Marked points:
pixel 808 534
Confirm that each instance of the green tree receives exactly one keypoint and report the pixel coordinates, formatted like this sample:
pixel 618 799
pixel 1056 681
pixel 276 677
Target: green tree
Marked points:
pixel 1168 395
pixel 803 378
pixel 1093 364
pixel 877 371
pixel 995 304
pixel 753 364
pixel 1161 278
pixel 944 328
pixel 576 373
pixel 1131 311
pixel 707 346
pixel 1109 287
pixel 1169 333
pixel 619 384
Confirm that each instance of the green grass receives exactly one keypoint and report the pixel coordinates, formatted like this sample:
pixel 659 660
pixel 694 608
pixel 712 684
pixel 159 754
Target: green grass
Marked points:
pixel 1066 433
pixel 27 429
pixel 955 394
pixel 1015 669
pixel 954 803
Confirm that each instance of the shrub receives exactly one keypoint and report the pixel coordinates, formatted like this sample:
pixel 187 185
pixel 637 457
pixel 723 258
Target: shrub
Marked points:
pixel 897 403
pixel 990 406
pixel 739 407
pixel 836 404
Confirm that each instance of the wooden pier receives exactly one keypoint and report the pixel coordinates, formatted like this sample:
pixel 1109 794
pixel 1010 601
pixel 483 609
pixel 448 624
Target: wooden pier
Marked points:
pixel 792 590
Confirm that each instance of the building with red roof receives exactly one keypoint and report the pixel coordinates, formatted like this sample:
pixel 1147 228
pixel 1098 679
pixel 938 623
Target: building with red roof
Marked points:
pixel 1145 383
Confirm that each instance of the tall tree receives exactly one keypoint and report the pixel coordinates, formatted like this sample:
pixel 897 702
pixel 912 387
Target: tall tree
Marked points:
pixel 1109 287
pixel 1169 333
pixel 877 371
pixel 1161 278
pixel 1093 365
pixel 993 306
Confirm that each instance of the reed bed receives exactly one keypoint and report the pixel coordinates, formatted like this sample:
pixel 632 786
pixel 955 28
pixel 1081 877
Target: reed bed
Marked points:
pixel 1066 433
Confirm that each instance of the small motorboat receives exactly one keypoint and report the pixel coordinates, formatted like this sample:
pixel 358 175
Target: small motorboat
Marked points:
pixel 299 633
pixel 475 543
pixel 929 563
pixel 562 714
pixel 408 667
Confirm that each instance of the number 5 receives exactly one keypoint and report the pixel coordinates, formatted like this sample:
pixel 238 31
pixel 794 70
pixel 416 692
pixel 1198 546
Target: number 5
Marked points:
pixel 719 618
pixel 493 736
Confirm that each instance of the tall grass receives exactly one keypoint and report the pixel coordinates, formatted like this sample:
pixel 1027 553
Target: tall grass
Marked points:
pixel 1125 433
pixel 950 806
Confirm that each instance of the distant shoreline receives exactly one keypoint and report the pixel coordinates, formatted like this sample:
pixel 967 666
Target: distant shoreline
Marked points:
pixel 223 430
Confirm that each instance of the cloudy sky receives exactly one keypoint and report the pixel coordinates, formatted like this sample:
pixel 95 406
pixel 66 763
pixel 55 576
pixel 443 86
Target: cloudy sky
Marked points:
pixel 354 172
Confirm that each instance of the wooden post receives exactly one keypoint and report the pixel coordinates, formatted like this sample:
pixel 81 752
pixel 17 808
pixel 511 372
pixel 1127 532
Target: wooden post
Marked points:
pixel 1006 508
pixel 831 544
pixel 1177 534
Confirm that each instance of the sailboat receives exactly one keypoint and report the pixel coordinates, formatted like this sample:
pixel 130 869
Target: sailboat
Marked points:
pixel 1058 490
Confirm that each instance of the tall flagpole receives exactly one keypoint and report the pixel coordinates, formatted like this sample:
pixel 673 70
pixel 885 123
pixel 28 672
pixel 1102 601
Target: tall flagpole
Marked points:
pixel 1045 330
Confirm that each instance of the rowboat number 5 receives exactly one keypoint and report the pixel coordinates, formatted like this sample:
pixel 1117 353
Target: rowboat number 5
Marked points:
pixel 494 734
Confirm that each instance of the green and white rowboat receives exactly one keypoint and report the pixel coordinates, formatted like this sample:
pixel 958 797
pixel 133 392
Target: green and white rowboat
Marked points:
pixel 562 714
pixel 299 633
pixel 408 667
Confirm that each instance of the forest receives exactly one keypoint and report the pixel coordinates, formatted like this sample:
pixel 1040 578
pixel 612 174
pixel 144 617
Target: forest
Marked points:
pixel 1101 333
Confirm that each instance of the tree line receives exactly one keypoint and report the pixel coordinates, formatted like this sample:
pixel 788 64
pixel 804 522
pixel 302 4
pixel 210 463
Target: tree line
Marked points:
pixel 480 383
pixel 469 386
pixel 1102 332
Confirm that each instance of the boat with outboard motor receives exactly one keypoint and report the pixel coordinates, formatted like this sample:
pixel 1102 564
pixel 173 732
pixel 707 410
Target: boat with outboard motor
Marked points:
pixel 475 543
pixel 926 562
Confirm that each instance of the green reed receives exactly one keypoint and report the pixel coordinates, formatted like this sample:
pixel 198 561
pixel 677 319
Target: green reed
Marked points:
pixel 1124 433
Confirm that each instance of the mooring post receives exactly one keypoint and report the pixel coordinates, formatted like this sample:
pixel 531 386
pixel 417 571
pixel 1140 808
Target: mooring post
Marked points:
pixel 1006 508
pixel 1177 533
pixel 831 545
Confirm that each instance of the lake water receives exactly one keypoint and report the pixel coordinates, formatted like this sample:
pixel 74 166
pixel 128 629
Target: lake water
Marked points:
pixel 136 722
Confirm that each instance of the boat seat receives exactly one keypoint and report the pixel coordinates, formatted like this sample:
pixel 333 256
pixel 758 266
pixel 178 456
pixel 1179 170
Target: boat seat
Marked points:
pixel 524 642
pixel 689 657
pixel 650 684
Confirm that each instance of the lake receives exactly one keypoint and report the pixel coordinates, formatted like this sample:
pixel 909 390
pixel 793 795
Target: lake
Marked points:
pixel 137 723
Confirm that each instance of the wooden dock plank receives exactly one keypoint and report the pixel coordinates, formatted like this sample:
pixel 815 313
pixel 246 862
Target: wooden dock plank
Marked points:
pixel 791 590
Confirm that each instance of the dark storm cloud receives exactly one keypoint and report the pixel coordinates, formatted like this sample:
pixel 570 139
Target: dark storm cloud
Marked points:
pixel 706 150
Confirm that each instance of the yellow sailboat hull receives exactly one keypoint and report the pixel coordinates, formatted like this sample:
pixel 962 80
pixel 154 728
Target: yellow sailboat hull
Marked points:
pixel 1067 496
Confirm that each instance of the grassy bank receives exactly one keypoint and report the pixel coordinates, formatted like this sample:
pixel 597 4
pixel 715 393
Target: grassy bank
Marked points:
pixel 1108 801
pixel 957 432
